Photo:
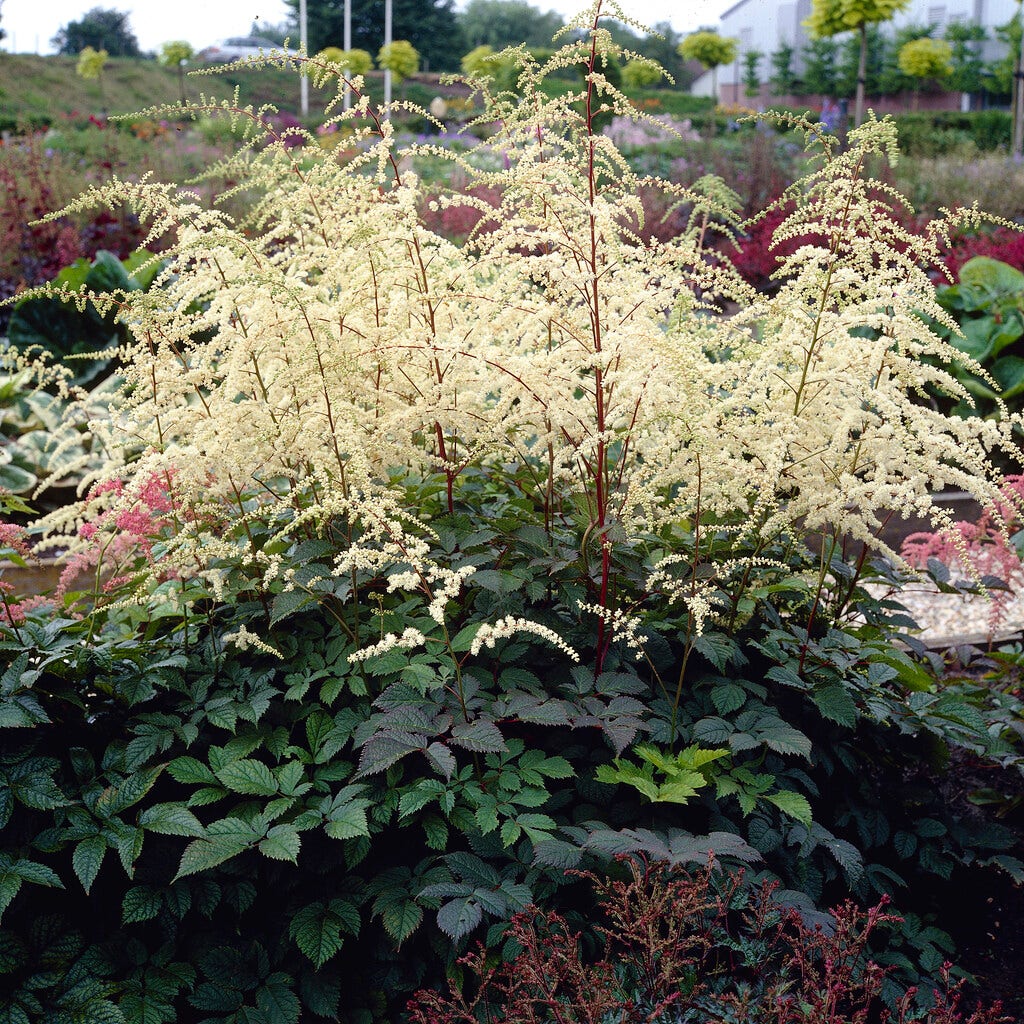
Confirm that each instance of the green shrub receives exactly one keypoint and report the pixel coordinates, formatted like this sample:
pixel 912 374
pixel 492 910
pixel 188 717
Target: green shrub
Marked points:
pixel 61 327
pixel 426 572
pixel 945 132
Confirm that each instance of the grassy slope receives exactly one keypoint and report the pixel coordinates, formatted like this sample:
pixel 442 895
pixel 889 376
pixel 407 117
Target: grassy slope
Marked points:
pixel 42 89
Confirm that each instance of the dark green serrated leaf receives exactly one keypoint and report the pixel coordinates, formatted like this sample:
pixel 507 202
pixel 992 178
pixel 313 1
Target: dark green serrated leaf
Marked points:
pixel 87 858
pixel 171 820
pixel 140 903
pixel 282 843
pixel 317 929
pixel 190 770
pixel 459 917
pixel 277 1002
pixel 10 883
pixel 401 919
pixel 248 776
pixel 479 735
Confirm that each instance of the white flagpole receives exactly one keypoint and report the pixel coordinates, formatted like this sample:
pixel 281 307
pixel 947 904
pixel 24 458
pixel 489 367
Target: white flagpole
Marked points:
pixel 387 72
pixel 304 42
pixel 347 100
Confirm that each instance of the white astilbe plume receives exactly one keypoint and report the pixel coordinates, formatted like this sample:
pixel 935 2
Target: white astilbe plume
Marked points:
pixel 624 626
pixel 409 639
pixel 306 366
pixel 490 633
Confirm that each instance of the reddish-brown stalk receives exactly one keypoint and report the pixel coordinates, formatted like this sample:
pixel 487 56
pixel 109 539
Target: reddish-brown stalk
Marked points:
pixel 600 470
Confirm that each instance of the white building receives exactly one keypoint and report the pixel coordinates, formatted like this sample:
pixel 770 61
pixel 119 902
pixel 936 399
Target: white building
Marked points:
pixel 765 25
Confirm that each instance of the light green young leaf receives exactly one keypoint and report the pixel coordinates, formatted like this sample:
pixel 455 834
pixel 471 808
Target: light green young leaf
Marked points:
pixel 630 775
pixel 793 804
pixel 680 788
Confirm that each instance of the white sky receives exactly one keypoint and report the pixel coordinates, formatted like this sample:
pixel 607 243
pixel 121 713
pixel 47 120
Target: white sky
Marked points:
pixel 31 24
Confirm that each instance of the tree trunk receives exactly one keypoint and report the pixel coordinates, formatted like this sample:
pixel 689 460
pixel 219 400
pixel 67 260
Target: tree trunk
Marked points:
pixel 714 96
pixel 1018 94
pixel 862 70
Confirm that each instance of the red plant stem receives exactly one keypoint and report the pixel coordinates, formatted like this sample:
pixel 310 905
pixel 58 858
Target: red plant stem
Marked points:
pixel 601 468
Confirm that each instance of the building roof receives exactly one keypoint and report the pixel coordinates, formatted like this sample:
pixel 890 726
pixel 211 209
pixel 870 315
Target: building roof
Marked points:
pixel 733 9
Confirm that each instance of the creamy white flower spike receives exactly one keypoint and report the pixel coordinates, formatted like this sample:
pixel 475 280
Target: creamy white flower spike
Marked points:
pixel 318 364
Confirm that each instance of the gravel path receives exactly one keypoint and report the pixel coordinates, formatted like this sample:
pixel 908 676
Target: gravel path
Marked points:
pixel 950 619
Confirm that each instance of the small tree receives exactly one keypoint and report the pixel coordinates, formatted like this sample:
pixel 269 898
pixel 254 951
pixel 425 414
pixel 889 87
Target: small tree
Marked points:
pixel 923 59
pixel 893 80
pixel 877 63
pixel 639 74
pixel 662 45
pixel 830 17
pixel 483 62
pixel 400 58
pixel 752 72
pixel 501 23
pixel 783 80
pixel 1002 71
pixel 90 66
pixel 478 62
pixel 176 54
pixel 711 50
pixel 102 30
pixel 966 39
pixel 352 62
pixel 820 67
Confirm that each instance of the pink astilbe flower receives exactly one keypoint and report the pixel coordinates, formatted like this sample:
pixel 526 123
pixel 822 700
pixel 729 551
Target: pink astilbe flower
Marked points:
pixel 14 539
pixel 981 548
pixel 13 610
pixel 121 534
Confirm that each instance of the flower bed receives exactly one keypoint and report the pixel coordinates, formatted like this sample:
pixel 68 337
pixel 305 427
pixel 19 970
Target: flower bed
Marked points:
pixel 438 573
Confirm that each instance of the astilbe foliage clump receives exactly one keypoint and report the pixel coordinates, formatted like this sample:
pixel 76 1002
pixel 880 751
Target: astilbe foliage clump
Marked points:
pixel 423 573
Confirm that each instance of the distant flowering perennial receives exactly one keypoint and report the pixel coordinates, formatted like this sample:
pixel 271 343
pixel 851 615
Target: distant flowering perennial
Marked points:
pixel 313 363
pixel 983 548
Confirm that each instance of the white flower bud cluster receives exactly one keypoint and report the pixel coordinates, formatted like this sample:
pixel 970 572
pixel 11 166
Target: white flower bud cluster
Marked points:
pixel 490 633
